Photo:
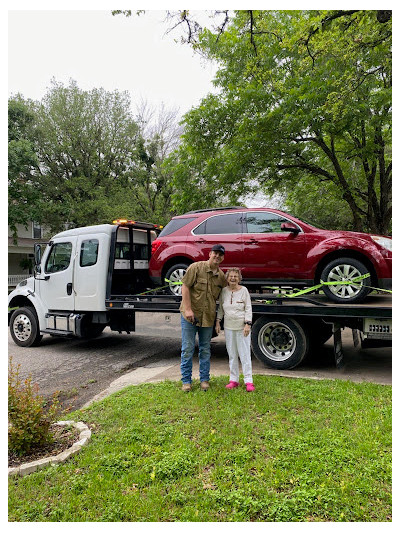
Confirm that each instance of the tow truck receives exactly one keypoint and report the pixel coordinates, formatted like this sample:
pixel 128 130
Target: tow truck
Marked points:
pixel 96 276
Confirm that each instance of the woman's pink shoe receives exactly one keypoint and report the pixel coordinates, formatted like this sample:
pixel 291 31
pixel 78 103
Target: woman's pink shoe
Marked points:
pixel 232 385
pixel 250 387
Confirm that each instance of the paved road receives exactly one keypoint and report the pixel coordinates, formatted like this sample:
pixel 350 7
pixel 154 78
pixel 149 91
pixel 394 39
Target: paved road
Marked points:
pixel 81 369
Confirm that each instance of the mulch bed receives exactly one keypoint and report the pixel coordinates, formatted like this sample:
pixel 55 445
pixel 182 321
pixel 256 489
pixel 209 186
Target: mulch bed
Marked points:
pixel 63 438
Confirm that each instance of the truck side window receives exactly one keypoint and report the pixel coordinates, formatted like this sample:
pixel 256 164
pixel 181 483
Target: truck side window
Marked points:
pixel 59 257
pixel 89 253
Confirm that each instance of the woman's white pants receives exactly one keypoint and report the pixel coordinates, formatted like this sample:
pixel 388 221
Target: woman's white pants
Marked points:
pixel 238 346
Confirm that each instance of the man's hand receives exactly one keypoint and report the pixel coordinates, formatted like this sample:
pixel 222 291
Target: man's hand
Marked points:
pixel 246 330
pixel 189 315
pixel 218 327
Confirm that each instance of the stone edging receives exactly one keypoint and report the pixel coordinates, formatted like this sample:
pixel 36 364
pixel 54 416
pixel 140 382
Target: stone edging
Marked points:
pixel 28 468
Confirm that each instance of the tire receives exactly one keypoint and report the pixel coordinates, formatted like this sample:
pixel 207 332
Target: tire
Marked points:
pixel 318 334
pixel 345 269
pixel 175 273
pixel 280 343
pixel 24 327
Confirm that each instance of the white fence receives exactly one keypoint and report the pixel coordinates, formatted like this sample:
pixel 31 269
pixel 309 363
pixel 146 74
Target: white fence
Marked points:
pixel 14 279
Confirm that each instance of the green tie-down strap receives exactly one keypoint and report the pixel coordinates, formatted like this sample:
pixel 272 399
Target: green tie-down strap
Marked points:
pixel 172 282
pixel 159 288
pixel 322 283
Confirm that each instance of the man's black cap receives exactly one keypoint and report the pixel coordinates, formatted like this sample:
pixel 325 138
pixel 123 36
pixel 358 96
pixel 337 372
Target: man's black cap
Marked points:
pixel 218 248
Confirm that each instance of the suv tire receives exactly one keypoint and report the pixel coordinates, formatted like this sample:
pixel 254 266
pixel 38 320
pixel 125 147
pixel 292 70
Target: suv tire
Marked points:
pixel 345 269
pixel 175 273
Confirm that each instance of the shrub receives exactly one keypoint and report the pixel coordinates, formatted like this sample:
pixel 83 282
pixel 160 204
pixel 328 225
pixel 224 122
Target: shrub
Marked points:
pixel 29 415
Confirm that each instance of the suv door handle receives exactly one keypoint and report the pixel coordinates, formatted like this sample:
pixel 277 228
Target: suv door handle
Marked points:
pixel 251 241
pixel 69 289
pixel 201 241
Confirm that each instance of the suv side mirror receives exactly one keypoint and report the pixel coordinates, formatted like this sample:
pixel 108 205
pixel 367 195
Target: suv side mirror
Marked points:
pixel 288 226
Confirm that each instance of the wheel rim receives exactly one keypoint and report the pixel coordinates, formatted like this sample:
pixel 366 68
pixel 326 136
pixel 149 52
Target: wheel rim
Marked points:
pixel 176 276
pixel 345 272
pixel 22 328
pixel 277 341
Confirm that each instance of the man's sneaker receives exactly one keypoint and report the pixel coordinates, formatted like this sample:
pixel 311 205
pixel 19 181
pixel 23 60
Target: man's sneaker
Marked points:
pixel 186 387
pixel 204 385
pixel 250 387
pixel 232 385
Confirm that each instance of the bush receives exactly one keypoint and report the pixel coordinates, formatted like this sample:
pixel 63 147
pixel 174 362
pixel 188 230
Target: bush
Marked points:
pixel 29 416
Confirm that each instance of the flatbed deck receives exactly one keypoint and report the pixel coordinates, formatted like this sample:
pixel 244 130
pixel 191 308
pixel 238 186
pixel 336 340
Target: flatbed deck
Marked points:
pixel 374 306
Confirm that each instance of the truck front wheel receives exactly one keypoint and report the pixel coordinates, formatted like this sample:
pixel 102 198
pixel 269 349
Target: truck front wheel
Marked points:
pixel 24 327
pixel 278 342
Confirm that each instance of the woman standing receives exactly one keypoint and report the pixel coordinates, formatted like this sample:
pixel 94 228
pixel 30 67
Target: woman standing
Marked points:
pixel 235 307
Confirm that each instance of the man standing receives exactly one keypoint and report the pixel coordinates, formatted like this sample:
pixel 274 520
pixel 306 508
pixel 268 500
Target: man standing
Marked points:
pixel 201 287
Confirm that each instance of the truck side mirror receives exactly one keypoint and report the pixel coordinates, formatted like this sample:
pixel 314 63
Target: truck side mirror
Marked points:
pixel 38 256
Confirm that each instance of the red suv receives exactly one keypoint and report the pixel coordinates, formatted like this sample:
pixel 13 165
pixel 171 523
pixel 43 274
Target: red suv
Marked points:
pixel 273 247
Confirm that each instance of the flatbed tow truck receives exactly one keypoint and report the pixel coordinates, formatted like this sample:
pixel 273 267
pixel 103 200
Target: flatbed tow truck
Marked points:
pixel 97 276
pixel 286 329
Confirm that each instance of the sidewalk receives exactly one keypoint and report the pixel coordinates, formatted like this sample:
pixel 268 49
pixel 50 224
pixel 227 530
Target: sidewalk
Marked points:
pixel 170 370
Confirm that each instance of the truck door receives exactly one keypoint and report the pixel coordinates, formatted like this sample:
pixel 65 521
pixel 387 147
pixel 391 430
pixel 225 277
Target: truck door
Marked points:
pixel 56 280
pixel 90 273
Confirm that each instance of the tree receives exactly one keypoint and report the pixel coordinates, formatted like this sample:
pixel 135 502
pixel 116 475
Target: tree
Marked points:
pixel 305 97
pixel 159 136
pixel 23 196
pixel 86 142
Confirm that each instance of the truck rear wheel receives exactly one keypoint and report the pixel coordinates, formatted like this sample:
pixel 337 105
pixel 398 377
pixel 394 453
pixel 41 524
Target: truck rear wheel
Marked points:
pixel 24 327
pixel 279 342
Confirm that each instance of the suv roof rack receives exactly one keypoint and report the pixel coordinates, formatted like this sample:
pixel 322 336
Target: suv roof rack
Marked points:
pixel 216 209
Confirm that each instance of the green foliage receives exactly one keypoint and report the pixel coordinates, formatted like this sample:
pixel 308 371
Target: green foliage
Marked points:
pixel 84 160
pixel 29 419
pixel 304 96
pixel 24 200
pixel 296 450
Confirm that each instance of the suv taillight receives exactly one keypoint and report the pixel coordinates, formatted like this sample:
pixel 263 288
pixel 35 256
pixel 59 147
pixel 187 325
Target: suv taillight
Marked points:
pixel 155 245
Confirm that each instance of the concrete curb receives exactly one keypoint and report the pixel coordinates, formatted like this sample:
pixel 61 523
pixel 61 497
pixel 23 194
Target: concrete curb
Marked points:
pixel 28 468
pixel 146 374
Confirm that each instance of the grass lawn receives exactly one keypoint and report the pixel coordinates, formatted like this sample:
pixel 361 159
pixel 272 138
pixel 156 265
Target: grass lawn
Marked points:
pixel 295 450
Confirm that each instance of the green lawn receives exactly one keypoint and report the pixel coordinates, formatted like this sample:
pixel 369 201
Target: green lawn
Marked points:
pixel 295 450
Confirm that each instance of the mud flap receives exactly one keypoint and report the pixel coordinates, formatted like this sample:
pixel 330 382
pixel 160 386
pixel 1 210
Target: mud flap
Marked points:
pixel 338 346
pixel 356 337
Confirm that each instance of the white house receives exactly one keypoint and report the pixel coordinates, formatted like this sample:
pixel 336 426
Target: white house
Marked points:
pixel 20 252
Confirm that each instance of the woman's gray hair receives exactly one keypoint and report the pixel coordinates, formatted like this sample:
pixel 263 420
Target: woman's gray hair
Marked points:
pixel 236 270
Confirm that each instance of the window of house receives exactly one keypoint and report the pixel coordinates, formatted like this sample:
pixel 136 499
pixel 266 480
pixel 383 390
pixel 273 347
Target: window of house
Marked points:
pixel 89 252
pixel 59 257
pixel 36 230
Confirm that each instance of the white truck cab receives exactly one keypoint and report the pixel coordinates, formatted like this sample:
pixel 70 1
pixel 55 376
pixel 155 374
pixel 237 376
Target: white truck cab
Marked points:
pixel 78 270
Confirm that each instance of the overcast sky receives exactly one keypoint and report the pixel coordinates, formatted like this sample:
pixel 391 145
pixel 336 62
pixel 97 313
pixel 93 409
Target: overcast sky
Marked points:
pixel 97 49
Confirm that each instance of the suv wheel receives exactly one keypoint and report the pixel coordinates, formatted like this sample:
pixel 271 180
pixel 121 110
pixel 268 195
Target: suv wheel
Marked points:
pixel 346 269
pixel 175 274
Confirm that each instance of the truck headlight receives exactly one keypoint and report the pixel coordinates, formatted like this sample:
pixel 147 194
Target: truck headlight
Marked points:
pixel 385 242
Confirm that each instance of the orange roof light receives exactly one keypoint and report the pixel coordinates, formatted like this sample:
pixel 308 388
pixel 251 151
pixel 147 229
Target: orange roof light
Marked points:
pixel 123 221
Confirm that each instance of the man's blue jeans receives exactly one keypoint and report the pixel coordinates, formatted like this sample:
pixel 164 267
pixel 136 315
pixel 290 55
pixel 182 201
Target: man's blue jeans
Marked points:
pixel 189 331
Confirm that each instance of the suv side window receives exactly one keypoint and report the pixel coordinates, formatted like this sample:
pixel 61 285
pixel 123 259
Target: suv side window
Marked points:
pixel 174 225
pixel 220 224
pixel 59 257
pixel 264 222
